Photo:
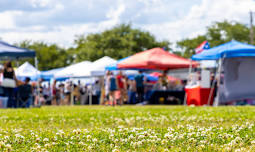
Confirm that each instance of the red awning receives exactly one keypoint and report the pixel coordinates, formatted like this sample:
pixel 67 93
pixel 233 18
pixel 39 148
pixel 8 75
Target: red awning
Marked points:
pixel 155 58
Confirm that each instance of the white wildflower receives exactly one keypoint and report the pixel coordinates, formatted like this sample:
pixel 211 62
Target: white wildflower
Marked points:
pixel 45 140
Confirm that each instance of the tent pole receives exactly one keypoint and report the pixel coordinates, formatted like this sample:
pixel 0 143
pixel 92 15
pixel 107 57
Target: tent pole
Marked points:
pixel 211 90
pixel 218 83
pixel 17 62
pixel 190 70
pixel 37 83
pixel 90 95
pixel 71 95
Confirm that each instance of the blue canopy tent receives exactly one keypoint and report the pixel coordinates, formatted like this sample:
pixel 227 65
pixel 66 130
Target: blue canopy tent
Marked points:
pixel 228 50
pixel 8 51
pixel 237 60
pixel 11 52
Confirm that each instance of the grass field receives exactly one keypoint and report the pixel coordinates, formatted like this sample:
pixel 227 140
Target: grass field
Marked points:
pixel 128 128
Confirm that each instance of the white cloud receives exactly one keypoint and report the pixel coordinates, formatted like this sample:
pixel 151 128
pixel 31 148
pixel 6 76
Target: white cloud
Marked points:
pixel 7 20
pixel 39 3
pixel 201 16
pixel 169 20
pixel 115 13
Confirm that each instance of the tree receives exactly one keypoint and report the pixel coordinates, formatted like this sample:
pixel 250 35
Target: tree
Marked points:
pixel 49 56
pixel 118 42
pixel 216 34
pixel 189 44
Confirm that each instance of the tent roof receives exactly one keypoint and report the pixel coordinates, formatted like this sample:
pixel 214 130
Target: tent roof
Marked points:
pixel 52 71
pixel 103 62
pixel 10 51
pixel 208 64
pixel 73 70
pixel 155 58
pixel 27 70
pixel 97 68
pixel 47 75
pixel 227 50
pixel 114 65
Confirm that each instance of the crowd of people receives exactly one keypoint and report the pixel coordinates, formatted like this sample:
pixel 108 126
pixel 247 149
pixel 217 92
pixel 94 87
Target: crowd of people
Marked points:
pixel 112 89
pixel 121 89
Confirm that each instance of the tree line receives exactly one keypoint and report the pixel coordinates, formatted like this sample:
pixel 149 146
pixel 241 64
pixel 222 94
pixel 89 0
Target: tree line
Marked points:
pixel 123 40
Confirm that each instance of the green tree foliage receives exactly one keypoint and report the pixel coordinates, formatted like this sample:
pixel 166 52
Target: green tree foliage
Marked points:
pixel 118 42
pixel 216 34
pixel 123 40
pixel 189 44
pixel 49 55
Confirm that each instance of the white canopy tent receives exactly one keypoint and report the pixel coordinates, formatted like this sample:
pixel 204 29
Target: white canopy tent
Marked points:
pixel 73 70
pixel 27 70
pixel 87 69
pixel 97 68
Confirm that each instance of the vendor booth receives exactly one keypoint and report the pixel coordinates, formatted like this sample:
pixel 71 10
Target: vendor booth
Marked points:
pixel 235 76
pixel 27 70
pixel 114 67
pixel 10 52
pixel 158 59
pixel 72 70
pixel 155 59
pixel 97 68
pixel 48 75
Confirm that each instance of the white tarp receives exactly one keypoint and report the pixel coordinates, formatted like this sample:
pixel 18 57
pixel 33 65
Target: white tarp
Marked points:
pixel 208 64
pixel 88 69
pixel 73 70
pixel 27 70
pixel 238 81
pixel 97 68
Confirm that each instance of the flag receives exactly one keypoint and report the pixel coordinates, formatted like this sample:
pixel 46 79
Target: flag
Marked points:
pixel 203 46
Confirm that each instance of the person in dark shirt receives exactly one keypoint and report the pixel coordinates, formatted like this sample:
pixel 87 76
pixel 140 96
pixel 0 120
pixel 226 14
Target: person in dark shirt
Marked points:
pixel 139 80
pixel 25 93
pixel 9 73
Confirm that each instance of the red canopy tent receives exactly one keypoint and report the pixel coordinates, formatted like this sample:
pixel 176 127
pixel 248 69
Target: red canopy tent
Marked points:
pixel 155 58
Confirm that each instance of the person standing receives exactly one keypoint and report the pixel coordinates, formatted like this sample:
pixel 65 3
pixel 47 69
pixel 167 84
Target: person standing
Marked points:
pixel 131 92
pixel 54 93
pixel 10 83
pixel 164 81
pixel 113 88
pixel 67 91
pixel 139 80
pixel 25 94
pixel 120 83
pixel 107 87
pixel 97 91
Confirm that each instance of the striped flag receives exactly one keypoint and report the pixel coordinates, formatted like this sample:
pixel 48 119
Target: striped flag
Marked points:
pixel 203 46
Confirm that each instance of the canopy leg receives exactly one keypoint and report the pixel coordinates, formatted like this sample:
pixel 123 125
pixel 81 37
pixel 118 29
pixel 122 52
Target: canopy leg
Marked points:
pixel 218 83
pixel 37 77
pixel 211 91
pixel 190 70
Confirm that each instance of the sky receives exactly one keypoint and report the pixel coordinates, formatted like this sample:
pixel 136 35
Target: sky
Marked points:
pixel 59 21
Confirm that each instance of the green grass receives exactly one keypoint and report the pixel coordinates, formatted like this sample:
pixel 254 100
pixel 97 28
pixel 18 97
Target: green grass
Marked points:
pixel 128 128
